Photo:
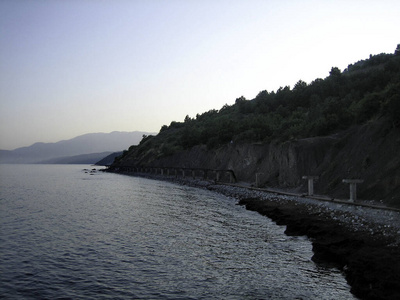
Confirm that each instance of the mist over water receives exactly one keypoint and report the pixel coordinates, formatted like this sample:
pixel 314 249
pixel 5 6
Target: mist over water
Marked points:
pixel 69 234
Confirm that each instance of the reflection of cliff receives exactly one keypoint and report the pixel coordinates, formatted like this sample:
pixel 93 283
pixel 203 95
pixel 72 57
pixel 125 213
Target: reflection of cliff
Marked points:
pixel 370 152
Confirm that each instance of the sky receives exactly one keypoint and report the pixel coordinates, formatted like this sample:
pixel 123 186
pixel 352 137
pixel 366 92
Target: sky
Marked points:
pixel 71 67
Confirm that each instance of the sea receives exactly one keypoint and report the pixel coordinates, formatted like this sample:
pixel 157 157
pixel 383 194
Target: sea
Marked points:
pixel 70 232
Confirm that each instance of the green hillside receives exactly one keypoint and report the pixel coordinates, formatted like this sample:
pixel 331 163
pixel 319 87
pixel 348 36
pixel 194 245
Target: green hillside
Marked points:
pixel 366 90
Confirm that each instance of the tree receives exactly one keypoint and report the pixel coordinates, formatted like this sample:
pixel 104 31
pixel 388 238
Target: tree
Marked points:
pixel 240 99
pixel 300 85
pixel 335 72
pixel 243 105
pixel 397 51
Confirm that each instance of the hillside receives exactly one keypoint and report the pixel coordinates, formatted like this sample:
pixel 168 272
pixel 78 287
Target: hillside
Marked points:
pixel 80 145
pixel 109 159
pixel 344 126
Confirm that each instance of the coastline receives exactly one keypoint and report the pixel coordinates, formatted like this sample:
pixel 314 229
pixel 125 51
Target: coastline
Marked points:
pixel 362 242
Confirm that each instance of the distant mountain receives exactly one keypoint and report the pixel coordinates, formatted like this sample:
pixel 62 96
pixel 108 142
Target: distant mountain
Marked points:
pixel 108 160
pixel 84 144
pixel 87 159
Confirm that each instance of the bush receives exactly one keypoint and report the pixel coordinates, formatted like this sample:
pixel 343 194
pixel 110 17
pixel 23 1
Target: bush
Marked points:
pixel 392 108
pixel 367 107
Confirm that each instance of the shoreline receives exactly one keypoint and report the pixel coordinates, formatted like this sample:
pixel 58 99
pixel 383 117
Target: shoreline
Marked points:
pixel 362 242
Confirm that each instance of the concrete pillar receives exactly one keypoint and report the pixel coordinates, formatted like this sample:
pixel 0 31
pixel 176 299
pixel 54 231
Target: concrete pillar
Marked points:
pixel 310 184
pixel 183 173
pixel 258 176
pixel 231 180
pixel 217 175
pixel 353 187
pixel 193 174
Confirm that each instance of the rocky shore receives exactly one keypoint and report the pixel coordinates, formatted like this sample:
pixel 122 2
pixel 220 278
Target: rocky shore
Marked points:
pixel 362 242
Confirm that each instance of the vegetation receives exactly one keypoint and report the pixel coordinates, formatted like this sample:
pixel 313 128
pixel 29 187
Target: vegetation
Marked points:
pixel 362 92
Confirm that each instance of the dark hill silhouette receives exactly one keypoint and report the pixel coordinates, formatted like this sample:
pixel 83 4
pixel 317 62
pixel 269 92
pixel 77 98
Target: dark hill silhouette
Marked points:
pixel 109 159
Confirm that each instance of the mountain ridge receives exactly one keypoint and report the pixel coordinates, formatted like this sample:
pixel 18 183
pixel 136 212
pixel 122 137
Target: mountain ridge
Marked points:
pixel 88 159
pixel 89 143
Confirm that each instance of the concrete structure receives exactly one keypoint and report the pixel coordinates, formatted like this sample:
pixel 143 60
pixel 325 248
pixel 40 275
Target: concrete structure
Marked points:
pixel 219 175
pixel 353 187
pixel 231 177
pixel 258 175
pixel 310 184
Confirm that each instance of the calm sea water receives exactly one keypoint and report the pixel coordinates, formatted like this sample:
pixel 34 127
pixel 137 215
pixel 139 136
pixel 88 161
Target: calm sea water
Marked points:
pixel 67 234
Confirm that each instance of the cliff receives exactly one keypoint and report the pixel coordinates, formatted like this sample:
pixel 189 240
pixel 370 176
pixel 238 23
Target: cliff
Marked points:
pixel 369 151
pixel 346 126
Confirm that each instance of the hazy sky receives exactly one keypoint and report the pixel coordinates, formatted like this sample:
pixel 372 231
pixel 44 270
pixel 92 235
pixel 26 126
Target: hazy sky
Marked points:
pixel 70 67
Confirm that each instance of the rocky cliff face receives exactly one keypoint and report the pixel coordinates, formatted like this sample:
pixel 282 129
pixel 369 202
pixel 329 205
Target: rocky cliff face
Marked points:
pixel 370 152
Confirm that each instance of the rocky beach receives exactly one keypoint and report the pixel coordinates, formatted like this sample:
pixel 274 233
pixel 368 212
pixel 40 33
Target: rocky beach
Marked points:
pixel 362 242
